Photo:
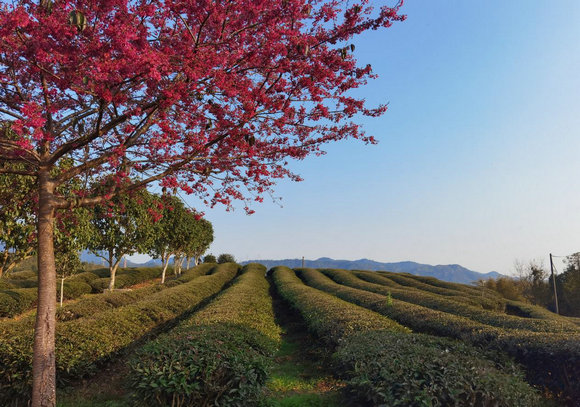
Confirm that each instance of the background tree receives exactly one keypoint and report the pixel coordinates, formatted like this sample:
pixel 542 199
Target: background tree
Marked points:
pixel 568 285
pixel 122 226
pixel 200 242
pixel 209 258
pixel 166 242
pixel 176 92
pixel 17 221
pixel 226 258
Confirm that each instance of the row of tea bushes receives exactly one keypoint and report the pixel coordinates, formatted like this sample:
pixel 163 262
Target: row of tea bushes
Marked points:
pixel 82 344
pixel 91 305
pixel 328 317
pixel 218 356
pixel 551 360
pixel 481 297
pixel 15 301
pixel 384 364
pixel 371 282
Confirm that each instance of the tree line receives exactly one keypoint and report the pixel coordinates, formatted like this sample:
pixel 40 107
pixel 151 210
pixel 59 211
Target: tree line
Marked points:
pixel 534 284
pixel 139 222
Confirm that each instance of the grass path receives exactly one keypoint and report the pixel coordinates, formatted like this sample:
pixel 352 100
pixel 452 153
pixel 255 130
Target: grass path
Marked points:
pixel 300 376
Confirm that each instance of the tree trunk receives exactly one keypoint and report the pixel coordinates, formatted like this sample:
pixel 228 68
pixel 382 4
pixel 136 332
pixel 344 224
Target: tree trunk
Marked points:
pixel 165 264
pixel 113 270
pixel 196 260
pixel 61 290
pixel 188 262
pixel 43 360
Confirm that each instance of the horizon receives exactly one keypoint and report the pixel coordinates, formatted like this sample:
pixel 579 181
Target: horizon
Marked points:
pixel 476 162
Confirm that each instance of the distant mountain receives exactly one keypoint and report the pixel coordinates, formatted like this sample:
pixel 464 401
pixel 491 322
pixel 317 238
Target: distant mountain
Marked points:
pixel 451 272
pixel 91 258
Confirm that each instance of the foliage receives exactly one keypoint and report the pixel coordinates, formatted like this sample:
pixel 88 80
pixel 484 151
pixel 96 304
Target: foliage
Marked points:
pixel 84 343
pixel 551 360
pixel 226 258
pixel 446 304
pixel 16 301
pixel 16 220
pixel 122 226
pixel 217 357
pixel 209 258
pixel 211 98
pixel 568 285
pixel 328 317
pixel 384 368
pixel 126 278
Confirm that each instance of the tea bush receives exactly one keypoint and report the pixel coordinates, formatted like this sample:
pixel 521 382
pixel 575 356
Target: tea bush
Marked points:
pixel 16 301
pixel 414 371
pixel 384 368
pixel 83 343
pixel 219 356
pixel 446 304
pixel 490 301
pixel 551 360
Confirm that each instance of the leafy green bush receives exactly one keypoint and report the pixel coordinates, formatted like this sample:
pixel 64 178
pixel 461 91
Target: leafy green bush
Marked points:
pixel 209 258
pixel 127 277
pixel 73 289
pixel 197 271
pixel 551 360
pixel 462 293
pixel 219 356
pixel 395 365
pixel 447 304
pixel 384 368
pixel 226 258
pixel 328 317
pixel 94 304
pixel 83 343
pixel 16 301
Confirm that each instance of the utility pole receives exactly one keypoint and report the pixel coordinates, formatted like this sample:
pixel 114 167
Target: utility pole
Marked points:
pixel 302 261
pixel 554 284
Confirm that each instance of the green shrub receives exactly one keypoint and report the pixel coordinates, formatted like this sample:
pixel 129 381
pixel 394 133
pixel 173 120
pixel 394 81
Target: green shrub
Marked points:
pixel 16 301
pixel 447 304
pixel 94 304
pixel 23 275
pixel 73 289
pixel 226 258
pixel 197 271
pixel 6 284
pixel 385 368
pixel 394 364
pixel 126 278
pixel 209 258
pixel 462 293
pixel 219 356
pixel 327 316
pixel 551 360
pixel 82 344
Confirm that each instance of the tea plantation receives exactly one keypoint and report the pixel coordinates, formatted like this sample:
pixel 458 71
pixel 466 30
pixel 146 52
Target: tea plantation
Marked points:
pixel 227 335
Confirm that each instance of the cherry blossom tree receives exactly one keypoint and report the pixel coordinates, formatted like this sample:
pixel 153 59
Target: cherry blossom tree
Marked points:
pixel 212 97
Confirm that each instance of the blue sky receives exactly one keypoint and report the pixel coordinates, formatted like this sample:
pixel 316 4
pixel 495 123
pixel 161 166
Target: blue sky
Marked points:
pixel 478 160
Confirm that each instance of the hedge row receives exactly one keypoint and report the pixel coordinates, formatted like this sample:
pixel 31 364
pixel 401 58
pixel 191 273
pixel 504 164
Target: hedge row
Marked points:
pixel 469 295
pixel 385 365
pixel 84 343
pixel 389 369
pixel 219 356
pixel 446 304
pixel 14 302
pixel 328 317
pixel 94 304
pixel 552 360
pixel 126 278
